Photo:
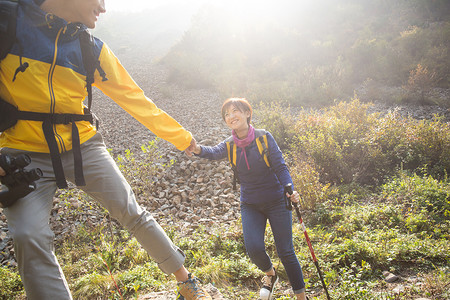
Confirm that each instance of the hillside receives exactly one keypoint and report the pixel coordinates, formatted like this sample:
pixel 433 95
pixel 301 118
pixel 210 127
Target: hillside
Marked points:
pixel 310 53
pixel 387 241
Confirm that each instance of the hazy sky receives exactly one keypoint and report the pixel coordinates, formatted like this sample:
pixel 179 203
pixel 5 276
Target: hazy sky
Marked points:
pixel 121 5
pixel 136 5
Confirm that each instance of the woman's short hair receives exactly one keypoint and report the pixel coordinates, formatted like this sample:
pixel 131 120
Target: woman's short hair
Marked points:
pixel 240 103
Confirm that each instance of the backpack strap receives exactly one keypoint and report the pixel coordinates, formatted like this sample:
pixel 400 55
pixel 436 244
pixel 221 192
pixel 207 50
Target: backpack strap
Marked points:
pixel 8 115
pixel 8 17
pixel 263 145
pixel 90 62
pixel 232 149
pixel 48 120
pixel 8 24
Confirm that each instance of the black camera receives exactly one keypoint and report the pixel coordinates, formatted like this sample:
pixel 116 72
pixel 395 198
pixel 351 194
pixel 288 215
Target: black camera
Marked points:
pixel 18 182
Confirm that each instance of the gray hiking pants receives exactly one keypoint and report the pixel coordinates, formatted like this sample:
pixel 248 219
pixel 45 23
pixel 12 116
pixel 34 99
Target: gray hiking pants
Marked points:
pixel 28 219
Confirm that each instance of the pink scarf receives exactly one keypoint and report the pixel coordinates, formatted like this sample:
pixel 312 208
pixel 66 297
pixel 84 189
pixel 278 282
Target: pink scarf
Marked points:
pixel 244 142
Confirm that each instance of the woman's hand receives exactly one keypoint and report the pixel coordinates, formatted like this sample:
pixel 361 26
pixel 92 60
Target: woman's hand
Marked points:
pixel 197 149
pixel 193 148
pixel 295 197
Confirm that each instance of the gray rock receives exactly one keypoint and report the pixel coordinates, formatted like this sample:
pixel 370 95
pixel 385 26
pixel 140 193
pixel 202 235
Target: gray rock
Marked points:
pixel 389 277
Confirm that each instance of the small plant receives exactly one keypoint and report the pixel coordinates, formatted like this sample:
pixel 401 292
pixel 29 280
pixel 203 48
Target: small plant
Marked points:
pixel 352 285
pixel 141 169
pixel 10 284
pixel 436 283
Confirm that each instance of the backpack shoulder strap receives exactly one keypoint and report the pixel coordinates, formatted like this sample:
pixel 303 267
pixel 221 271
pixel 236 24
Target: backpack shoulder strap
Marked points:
pixel 8 19
pixel 90 62
pixel 263 145
pixel 231 149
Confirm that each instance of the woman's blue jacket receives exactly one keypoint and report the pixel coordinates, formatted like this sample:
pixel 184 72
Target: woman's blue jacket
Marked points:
pixel 260 183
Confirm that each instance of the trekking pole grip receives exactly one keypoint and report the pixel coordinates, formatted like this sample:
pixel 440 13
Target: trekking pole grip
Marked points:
pixel 288 189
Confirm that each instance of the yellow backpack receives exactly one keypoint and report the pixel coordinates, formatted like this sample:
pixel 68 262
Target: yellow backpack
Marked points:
pixel 263 148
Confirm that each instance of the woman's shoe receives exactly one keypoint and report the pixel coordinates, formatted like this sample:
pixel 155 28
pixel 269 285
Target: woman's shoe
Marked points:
pixel 269 282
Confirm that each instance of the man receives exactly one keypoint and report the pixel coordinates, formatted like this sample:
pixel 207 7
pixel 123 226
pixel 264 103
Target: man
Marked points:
pixel 45 78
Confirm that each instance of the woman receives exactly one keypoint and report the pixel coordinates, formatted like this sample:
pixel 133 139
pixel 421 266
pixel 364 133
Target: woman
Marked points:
pixel 262 196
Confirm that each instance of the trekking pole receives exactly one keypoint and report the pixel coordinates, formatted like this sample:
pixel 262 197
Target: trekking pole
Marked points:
pixel 288 189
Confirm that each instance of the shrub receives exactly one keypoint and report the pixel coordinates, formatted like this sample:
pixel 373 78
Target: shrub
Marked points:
pixel 345 144
pixel 419 195
pixel 418 223
pixel 278 120
pixel 306 181
pixel 10 284
pixel 336 139
pixel 420 82
pixel 428 147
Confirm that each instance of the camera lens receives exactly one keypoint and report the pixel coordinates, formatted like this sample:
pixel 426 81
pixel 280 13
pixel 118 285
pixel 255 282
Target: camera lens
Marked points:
pixel 34 174
pixel 22 161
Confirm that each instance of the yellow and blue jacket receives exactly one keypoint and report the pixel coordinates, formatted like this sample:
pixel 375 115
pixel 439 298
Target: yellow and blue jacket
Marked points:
pixel 54 82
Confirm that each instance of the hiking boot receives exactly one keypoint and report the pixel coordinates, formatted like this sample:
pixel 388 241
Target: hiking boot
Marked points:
pixel 269 282
pixel 191 290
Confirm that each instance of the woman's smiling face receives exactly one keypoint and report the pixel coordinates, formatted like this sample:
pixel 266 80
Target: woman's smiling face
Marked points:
pixel 236 119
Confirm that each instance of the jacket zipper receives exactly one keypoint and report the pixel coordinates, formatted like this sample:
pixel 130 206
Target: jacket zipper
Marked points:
pixel 52 93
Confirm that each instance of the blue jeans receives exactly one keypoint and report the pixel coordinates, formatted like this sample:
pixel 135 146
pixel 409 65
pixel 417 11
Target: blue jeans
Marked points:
pixel 254 219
